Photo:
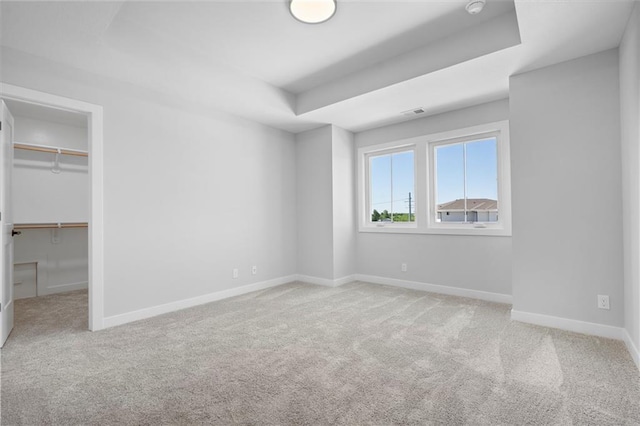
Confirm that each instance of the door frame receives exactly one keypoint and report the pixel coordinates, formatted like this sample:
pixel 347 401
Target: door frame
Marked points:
pixel 94 115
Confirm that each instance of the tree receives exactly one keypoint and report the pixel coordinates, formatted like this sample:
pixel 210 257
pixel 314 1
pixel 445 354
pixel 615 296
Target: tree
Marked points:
pixel 385 215
pixel 375 217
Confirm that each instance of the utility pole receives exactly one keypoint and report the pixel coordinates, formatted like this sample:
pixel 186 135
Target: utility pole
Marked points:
pixel 409 207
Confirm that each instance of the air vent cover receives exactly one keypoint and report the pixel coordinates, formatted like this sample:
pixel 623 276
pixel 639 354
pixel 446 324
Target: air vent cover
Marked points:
pixel 414 111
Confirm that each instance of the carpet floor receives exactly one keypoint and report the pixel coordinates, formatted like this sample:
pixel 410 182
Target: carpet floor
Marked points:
pixel 304 354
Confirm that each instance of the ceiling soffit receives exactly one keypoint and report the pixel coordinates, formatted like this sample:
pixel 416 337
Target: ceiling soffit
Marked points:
pixel 481 40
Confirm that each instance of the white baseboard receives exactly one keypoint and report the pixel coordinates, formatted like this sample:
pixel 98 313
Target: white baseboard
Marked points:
pixel 633 350
pixel 326 281
pixel 212 297
pixel 344 280
pixel 527 317
pixel 435 288
pixel 194 301
pixel 62 288
pixel 576 326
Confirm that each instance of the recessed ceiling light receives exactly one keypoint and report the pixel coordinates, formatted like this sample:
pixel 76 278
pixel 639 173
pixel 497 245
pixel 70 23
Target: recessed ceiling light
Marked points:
pixel 475 6
pixel 312 11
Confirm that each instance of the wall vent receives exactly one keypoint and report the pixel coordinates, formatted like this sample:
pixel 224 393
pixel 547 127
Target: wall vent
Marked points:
pixel 413 111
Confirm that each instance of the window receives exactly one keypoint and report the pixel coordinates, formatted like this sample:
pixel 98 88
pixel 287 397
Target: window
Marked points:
pixel 466 180
pixel 455 182
pixel 391 182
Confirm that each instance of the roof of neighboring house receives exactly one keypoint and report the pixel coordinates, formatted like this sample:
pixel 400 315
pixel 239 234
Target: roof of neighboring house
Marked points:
pixel 473 204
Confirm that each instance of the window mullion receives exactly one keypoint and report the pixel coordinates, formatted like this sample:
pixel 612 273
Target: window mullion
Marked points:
pixel 464 174
pixel 391 179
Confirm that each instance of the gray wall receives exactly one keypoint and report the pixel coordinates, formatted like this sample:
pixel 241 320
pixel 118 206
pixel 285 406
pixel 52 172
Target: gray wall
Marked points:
pixel 436 259
pixel 565 154
pixel 314 203
pixel 40 196
pixel 326 203
pixel 630 119
pixel 344 203
pixel 254 194
pixel 189 193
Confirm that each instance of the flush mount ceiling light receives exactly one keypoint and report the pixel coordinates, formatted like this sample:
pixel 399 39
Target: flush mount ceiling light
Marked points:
pixel 475 6
pixel 312 11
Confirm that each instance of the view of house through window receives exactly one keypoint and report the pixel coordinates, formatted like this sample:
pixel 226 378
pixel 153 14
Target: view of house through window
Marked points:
pixel 466 181
pixel 391 186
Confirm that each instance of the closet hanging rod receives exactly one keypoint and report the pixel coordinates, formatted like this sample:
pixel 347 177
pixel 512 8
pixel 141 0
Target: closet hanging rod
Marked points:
pixel 19 226
pixel 51 149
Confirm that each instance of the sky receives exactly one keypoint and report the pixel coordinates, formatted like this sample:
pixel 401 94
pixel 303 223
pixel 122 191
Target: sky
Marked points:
pixel 392 175
pixel 482 171
pixel 391 182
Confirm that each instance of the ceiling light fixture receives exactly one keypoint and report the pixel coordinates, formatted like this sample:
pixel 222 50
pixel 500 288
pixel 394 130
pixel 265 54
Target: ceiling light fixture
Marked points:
pixel 475 6
pixel 312 11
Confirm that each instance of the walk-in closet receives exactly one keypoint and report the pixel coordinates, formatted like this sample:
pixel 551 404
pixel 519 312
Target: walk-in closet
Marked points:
pixel 50 203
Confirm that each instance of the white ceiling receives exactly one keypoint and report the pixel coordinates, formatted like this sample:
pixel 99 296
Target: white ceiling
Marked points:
pixel 359 70
pixel 262 40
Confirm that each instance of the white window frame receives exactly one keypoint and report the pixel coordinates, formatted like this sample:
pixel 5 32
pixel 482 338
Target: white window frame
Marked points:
pixel 425 183
pixel 365 186
pixel 500 131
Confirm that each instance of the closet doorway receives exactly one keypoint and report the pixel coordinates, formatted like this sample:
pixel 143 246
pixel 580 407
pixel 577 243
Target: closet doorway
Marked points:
pixel 52 201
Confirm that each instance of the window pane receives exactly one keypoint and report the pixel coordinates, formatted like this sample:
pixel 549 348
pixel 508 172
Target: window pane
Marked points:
pixel 482 180
pixel 449 172
pixel 380 188
pixel 403 207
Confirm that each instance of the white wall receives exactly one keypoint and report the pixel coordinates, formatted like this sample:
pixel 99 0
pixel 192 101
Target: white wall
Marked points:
pixel 189 193
pixel 344 203
pixel 565 154
pixel 40 196
pixel 25 276
pixel 630 135
pixel 60 267
pixel 436 259
pixel 44 132
pixel 315 203
pixel 326 204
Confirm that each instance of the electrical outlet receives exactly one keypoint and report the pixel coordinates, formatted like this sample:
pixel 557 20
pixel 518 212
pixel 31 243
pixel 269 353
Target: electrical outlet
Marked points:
pixel 235 273
pixel 403 267
pixel 603 301
pixel 254 270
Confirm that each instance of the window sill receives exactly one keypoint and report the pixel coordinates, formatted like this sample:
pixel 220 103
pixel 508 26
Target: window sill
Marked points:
pixel 397 228
pixel 467 231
